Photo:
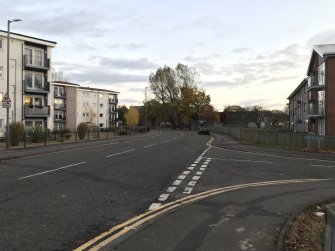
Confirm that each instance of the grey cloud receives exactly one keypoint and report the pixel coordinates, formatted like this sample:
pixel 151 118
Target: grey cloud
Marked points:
pixel 219 83
pixel 241 50
pixel 105 77
pixel 325 37
pixel 130 101
pixel 208 22
pixel 133 46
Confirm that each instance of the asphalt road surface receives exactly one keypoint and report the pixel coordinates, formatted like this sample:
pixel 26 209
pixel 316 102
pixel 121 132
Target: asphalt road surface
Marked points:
pixel 61 200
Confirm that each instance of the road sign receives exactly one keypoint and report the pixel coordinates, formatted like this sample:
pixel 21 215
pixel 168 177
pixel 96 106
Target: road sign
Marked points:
pixel 6 102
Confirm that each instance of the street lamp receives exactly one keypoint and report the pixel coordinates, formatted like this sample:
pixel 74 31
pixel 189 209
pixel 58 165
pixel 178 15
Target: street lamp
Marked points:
pixel 7 116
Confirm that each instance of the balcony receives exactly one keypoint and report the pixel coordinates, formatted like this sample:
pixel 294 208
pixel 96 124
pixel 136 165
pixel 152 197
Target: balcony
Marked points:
pixel 60 95
pixel 36 88
pixel 316 82
pixel 36 63
pixel 316 111
pixel 59 106
pixel 60 119
pixel 113 100
pixel 112 110
pixel 36 111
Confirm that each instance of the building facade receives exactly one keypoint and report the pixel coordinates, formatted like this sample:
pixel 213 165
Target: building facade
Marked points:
pixel 29 79
pixel 73 104
pixel 319 94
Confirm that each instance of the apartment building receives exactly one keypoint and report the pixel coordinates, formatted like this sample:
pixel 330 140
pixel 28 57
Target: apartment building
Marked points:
pixel 73 104
pixel 29 75
pixel 298 108
pixel 320 92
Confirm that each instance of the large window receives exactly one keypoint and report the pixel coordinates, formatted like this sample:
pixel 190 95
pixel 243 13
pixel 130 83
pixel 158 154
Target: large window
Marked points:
pixel 34 56
pixel 34 80
pixel 33 101
pixel 59 115
pixel 321 74
pixel 59 91
pixel 30 124
pixel 59 103
pixel 1 43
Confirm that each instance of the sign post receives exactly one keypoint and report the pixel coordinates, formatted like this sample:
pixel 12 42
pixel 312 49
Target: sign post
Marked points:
pixel 6 102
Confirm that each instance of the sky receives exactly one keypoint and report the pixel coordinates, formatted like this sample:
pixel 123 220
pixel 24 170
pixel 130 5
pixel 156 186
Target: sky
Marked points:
pixel 246 52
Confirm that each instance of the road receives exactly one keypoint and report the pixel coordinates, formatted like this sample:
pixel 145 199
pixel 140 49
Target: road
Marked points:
pixel 60 200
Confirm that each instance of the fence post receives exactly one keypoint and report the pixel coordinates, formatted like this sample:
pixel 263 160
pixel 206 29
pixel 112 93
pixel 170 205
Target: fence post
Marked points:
pixel 45 137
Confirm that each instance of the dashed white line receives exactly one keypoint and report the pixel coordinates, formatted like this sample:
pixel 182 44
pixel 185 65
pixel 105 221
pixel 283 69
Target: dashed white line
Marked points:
pixel 191 168
pixel 203 165
pixel 149 145
pixel 171 189
pixel 199 173
pixel 186 172
pixel 164 141
pixel 181 177
pixel 196 178
pixel 176 182
pixel 53 170
pixel 163 197
pixel 188 190
pixel 193 164
pixel 192 183
pixel 112 155
pixel 154 206
pixel 202 169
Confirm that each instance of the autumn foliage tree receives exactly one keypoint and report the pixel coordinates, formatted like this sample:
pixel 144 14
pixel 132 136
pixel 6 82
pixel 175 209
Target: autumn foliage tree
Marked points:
pixel 132 116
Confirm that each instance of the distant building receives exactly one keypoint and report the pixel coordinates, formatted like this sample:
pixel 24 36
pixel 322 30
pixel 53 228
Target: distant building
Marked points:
pixel 318 98
pixel 74 104
pixel 29 72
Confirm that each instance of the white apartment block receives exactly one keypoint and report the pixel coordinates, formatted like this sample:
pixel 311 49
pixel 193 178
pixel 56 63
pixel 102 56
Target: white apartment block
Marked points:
pixel 29 79
pixel 73 104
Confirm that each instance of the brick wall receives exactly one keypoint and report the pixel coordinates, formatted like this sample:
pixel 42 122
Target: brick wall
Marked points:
pixel 330 96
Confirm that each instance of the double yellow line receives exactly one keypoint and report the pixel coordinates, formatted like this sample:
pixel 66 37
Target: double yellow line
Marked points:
pixel 115 232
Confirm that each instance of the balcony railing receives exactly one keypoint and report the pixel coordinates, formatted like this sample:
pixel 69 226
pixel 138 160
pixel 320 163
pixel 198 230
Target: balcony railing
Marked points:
pixel 314 84
pixel 113 101
pixel 36 62
pixel 60 119
pixel 112 110
pixel 36 88
pixel 316 110
pixel 60 95
pixel 36 111
pixel 59 106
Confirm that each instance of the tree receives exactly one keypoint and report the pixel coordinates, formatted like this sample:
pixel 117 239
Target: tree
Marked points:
pixel 211 115
pixel 122 110
pixel 177 91
pixel 132 116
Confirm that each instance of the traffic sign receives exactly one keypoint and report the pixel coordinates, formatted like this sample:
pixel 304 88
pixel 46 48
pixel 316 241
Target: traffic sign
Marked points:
pixel 6 99
pixel 6 102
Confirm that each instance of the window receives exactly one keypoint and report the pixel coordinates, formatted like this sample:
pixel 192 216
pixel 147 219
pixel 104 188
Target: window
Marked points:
pixel 321 74
pixel 1 71
pixel 1 43
pixel 30 124
pixel 93 94
pixel 33 101
pixel 101 105
pixel 85 104
pixel 101 115
pixel 59 91
pixel 101 125
pixel 85 114
pixel 33 56
pixel 59 115
pixel 59 103
pixel 34 80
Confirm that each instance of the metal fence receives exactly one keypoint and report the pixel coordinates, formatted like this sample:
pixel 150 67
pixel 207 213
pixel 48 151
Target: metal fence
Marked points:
pixel 55 137
pixel 278 138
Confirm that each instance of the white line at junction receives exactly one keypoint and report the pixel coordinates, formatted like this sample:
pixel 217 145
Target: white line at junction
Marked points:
pixel 112 155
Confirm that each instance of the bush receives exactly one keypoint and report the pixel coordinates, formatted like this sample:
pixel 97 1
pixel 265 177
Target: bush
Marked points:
pixel 36 134
pixel 82 130
pixel 16 130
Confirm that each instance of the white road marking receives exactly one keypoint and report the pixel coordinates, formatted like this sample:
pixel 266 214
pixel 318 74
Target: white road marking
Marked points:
pixel 176 182
pixel 246 160
pixel 112 155
pixel 181 177
pixel 196 162
pixel 188 190
pixel 206 163
pixel 322 166
pixel 186 172
pixel 171 189
pixel 198 173
pixel 191 168
pixel 193 164
pixel 163 197
pixel 164 141
pixel 203 165
pixel 53 170
pixel 154 206
pixel 192 183
pixel 202 169
pixel 196 178
pixel 150 145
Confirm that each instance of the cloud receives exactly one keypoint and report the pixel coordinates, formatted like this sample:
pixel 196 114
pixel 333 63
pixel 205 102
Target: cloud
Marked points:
pixel 324 37
pixel 241 50
pixel 219 83
pixel 124 63
pixel 133 46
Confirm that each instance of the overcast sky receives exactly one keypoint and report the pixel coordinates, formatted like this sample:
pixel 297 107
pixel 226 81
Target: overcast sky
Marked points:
pixel 247 52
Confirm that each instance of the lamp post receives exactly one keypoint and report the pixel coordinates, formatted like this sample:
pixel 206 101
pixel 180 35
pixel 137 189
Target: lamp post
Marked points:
pixel 145 110
pixel 8 45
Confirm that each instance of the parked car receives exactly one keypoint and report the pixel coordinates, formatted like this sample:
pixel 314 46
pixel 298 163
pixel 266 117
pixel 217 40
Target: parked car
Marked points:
pixel 203 130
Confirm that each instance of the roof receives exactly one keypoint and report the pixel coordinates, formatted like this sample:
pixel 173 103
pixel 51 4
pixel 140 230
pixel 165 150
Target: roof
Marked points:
pixel 323 50
pixel 82 87
pixel 303 82
pixel 25 36
pixel 65 83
